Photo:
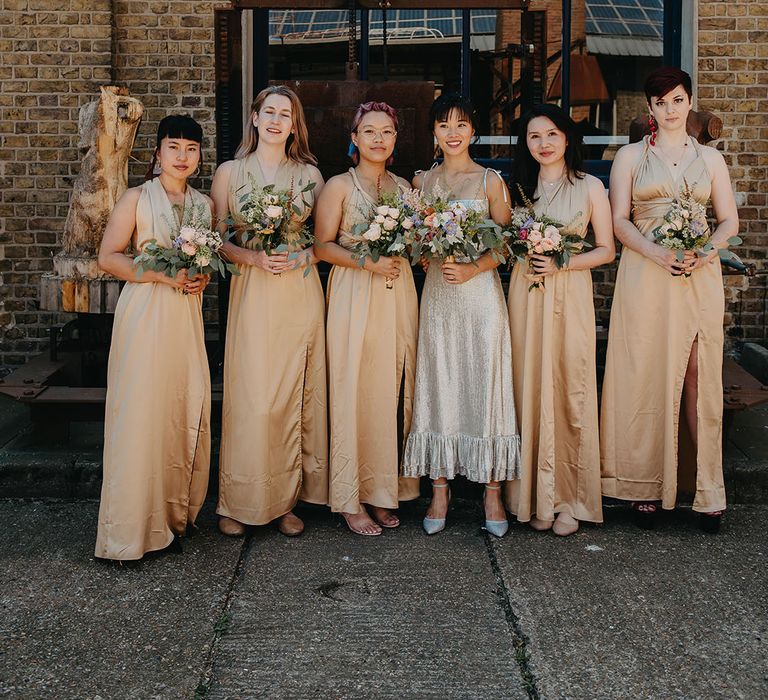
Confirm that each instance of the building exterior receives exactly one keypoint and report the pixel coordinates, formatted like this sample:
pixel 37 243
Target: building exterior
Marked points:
pixel 54 55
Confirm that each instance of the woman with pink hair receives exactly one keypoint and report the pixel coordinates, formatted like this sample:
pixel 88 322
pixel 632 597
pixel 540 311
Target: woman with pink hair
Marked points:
pixel 371 335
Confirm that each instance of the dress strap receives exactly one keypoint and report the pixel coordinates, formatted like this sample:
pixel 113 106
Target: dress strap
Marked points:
pixel 485 183
pixel 424 179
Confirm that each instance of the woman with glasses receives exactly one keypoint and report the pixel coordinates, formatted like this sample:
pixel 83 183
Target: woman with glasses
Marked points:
pixel 371 335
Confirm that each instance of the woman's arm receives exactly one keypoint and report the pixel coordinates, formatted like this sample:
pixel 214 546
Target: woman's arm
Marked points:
pixel 723 203
pixel 328 214
pixel 620 196
pixel 605 249
pixel 308 256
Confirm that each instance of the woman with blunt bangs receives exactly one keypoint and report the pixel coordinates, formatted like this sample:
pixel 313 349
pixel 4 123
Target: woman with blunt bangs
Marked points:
pixel 157 439
pixel 665 343
pixel 553 331
pixel 274 441
pixel 371 335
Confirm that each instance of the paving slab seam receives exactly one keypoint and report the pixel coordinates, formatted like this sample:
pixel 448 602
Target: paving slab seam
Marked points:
pixel 519 638
pixel 221 625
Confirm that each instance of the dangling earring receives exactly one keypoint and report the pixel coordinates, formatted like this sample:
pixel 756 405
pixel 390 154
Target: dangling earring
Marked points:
pixel 654 127
pixel 157 169
pixel 197 171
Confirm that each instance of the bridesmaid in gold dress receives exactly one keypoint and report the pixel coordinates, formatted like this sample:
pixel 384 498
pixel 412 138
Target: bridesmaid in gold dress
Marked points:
pixel 665 342
pixel 371 335
pixel 553 332
pixel 156 429
pixel 274 442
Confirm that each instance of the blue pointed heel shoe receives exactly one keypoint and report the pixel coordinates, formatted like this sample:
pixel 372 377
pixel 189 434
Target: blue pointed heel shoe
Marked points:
pixel 498 528
pixel 434 525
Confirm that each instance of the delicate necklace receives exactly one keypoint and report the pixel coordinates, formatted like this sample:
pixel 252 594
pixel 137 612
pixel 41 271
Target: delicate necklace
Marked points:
pixel 682 153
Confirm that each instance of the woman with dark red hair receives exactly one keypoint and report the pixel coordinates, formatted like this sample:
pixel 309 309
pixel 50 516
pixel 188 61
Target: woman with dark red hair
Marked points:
pixel 665 346
pixel 371 335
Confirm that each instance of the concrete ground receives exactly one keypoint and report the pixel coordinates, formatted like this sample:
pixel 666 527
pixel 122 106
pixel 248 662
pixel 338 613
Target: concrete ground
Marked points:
pixel 612 612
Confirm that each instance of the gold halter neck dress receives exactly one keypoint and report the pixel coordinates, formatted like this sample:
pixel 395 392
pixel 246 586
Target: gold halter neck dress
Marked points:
pixel 157 437
pixel 553 358
pixel 655 319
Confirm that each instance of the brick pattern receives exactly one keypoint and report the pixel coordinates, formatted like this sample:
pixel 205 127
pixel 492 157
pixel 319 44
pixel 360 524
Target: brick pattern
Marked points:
pixel 53 61
pixel 164 54
pixel 733 83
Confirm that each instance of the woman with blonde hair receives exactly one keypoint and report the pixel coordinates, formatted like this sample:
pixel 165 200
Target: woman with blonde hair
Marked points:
pixel 371 336
pixel 274 437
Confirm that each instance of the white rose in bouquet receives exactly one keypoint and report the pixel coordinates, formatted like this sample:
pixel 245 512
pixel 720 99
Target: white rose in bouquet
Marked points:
pixel 189 248
pixel 394 213
pixel 187 233
pixel 273 211
pixel 382 210
pixel 373 233
pixel 389 224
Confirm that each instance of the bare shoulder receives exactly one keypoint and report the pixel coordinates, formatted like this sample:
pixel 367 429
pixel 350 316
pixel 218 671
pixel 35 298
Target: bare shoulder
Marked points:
pixel 494 183
pixel 130 197
pixel 209 200
pixel 314 173
pixel 338 186
pixel 627 156
pixel 224 169
pixel 712 157
pixel 418 179
pixel 594 184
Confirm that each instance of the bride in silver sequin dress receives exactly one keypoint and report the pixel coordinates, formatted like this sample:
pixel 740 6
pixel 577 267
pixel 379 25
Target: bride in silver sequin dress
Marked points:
pixel 463 411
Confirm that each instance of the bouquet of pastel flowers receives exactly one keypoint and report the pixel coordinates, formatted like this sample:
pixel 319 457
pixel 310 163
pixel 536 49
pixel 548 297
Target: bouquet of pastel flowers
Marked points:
pixel 449 230
pixel 194 247
pixel 271 218
pixel 685 227
pixel 387 232
pixel 535 234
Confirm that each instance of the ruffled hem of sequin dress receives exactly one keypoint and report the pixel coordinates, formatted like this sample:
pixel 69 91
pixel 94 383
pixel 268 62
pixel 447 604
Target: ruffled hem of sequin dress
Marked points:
pixel 479 459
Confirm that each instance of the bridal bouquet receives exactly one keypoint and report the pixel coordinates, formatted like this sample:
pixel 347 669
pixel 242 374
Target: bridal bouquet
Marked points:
pixel 685 227
pixel 447 230
pixel 387 232
pixel 194 248
pixel 534 234
pixel 271 216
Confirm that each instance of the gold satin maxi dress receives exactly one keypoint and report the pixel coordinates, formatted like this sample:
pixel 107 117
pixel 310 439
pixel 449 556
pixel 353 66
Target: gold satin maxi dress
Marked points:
pixel 655 319
pixel 274 444
pixel 553 358
pixel 157 437
pixel 371 337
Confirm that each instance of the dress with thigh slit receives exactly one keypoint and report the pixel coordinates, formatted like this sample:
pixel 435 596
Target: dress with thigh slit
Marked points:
pixel 655 319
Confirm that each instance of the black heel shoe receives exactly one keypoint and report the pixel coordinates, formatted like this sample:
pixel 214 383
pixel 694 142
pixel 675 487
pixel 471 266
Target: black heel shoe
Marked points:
pixel 710 522
pixel 645 519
